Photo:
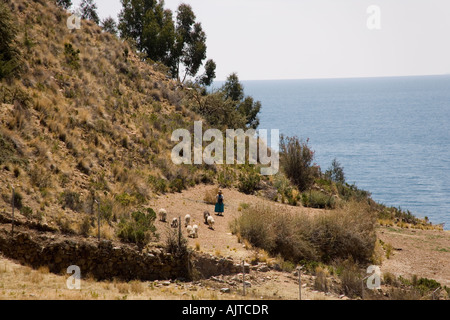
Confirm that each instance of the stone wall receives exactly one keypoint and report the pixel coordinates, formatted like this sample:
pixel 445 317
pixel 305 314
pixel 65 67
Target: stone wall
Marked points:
pixel 101 260
pixel 106 260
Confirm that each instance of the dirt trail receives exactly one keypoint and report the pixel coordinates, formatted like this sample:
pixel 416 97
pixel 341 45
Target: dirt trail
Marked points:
pixel 425 253
pixel 220 240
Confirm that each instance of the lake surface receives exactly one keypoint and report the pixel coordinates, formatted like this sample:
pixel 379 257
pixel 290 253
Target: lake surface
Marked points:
pixel 391 135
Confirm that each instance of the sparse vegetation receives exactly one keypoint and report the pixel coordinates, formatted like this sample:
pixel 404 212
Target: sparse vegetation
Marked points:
pixel 346 232
pixel 139 228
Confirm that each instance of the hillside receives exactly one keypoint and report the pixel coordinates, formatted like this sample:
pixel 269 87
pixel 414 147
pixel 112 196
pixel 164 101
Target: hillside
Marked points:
pixel 93 124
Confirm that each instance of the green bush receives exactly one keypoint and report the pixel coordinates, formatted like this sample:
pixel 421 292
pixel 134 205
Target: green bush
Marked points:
pixel 72 56
pixel 125 199
pixel 71 200
pixel 18 200
pixel 9 54
pixel 426 285
pixel 336 172
pixel 139 229
pixel 249 181
pixel 317 199
pixel 27 212
pixel 177 185
pixel 351 192
pixel 296 158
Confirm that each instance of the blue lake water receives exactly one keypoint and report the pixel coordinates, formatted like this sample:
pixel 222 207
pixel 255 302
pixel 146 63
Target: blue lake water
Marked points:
pixel 392 135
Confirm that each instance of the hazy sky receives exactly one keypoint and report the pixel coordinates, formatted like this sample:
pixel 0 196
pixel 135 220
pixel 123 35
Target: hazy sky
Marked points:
pixel 296 39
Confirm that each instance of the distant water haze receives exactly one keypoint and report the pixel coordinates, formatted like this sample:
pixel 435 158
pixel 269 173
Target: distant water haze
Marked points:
pixel 392 135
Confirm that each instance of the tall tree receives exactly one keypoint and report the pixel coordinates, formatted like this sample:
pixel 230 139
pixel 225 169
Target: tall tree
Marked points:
pixel 189 50
pixel 109 25
pixel 65 4
pixel 150 26
pixel 233 88
pixel 88 10
pixel 208 77
pixel 246 105
pixel 179 44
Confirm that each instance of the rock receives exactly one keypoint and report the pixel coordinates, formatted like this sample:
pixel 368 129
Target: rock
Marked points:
pixel 217 279
pixel 263 268
pixel 225 290
pixel 247 284
pixel 166 283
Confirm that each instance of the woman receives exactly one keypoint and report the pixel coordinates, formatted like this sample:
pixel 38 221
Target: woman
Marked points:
pixel 219 204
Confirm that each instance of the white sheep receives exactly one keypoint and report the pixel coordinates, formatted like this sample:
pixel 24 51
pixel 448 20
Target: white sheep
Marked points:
pixel 187 220
pixel 206 214
pixel 162 215
pixel 211 222
pixel 190 231
pixel 195 231
pixel 174 223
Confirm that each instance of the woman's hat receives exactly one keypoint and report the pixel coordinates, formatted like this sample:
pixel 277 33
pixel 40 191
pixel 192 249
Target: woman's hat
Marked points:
pixel 220 191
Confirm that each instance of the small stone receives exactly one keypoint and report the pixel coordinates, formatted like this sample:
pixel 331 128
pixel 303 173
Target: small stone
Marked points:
pixel 263 268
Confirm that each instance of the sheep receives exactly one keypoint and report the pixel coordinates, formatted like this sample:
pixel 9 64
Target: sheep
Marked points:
pixel 162 215
pixel 206 214
pixel 187 220
pixel 195 231
pixel 190 231
pixel 174 223
pixel 211 222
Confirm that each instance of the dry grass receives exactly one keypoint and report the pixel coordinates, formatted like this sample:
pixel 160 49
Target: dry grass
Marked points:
pixel 351 230
pixel 210 195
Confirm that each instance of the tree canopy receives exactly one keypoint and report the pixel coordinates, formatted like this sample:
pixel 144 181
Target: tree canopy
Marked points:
pixel 179 43
pixel 88 10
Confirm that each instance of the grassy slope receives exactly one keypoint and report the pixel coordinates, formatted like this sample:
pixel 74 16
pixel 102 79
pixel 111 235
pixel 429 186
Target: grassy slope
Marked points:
pixel 101 128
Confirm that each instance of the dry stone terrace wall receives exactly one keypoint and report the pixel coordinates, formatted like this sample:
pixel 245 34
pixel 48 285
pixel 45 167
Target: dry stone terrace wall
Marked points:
pixel 106 260
pixel 101 260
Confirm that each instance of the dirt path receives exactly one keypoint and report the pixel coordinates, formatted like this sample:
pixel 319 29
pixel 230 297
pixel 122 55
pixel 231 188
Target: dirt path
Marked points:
pixel 219 241
pixel 425 253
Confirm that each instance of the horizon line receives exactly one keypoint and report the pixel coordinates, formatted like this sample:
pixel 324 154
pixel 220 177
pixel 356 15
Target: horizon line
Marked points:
pixel 342 78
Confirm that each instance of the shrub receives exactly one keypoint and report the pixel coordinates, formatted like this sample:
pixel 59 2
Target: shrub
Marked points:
pixel 342 233
pixel 317 199
pixel 71 200
pixel 139 229
pixel 159 185
pixel 389 278
pixel 249 181
pixel 125 199
pixel 85 226
pixel 72 56
pixel 27 212
pixel 335 172
pixel 210 196
pixel 425 285
pixel 296 158
pixel 18 200
pixel 177 185
pixel 9 54
pixel 226 178
pixel 40 177
pixel 351 279
pixel 321 283
pixel 176 243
